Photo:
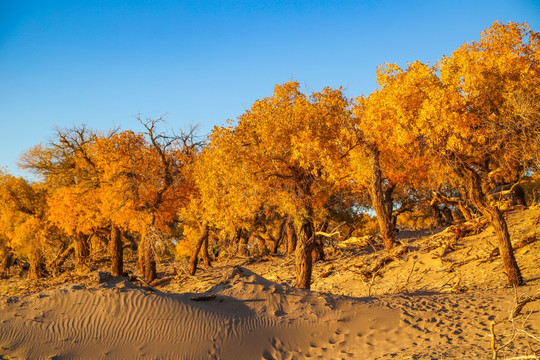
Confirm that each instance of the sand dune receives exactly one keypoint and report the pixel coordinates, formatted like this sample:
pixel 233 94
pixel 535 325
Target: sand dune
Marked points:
pixel 249 318
pixel 245 317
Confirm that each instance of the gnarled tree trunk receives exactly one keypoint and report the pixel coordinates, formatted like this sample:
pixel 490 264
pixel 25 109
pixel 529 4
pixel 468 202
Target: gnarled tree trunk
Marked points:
pixel 195 254
pixel 461 204
pixel 261 245
pixel 317 253
pixel 496 218
pixel 243 239
pixel 37 265
pixel 205 255
pixel 438 220
pixel 147 259
pixel 282 234
pixel 82 250
pixel 116 251
pixel 6 262
pixel 303 255
pixel 292 238
pixel 378 201
pixel 447 214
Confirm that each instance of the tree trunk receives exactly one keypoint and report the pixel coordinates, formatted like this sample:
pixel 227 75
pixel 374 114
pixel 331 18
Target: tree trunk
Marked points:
pixel 505 246
pixel 261 245
pixel 147 259
pixel 465 211
pixel 447 214
pixel 303 255
pixel 61 258
pixel 116 251
pixel 195 254
pixel 280 237
pixel 242 243
pixel 379 203
pixel 275 244
pixel 520 195
pixel 206 257
pixel 292 238
pixel 436 215
pixel 317 253
pixel 82 250
pixel 37 265
pixel 461 204
pixel 7 261
pixel 498 222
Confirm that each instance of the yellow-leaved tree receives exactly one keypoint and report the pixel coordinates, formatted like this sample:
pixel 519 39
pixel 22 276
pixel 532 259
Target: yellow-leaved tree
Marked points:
pixel 288 153
pixel 391 159
pixel 24 224
pixel 483 121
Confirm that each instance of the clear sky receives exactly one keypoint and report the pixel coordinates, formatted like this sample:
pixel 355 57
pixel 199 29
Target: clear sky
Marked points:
pixel 202 62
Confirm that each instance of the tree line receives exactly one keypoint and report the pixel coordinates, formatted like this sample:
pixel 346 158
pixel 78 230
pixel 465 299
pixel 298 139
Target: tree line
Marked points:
pixel 292 170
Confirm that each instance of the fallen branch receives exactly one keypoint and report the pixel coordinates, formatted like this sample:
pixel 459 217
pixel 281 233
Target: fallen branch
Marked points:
pixel 495 350
pixel 383 261
pixel 520 304
pixel 449 245
pixel 144 283
pixel 328 235
pixel 162 280
pixel 61 258
pixel 368 240
pixel 517 245
pixel 402 287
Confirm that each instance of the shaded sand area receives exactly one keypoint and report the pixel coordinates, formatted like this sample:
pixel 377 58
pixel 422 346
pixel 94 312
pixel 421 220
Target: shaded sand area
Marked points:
pixel 437 300
pixel 248 317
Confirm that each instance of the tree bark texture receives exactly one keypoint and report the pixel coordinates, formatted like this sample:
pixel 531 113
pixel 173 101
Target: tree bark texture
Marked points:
pixel 498 222
pixel 317 253
pixel 505 246
pixel 82 250
pixel 292 238
pixel 261 245
pixel 116 251
pixel 282 234
pixel 37 265
pixel 7 261
pixel 378 201
pixel 447 214
pixel 436 214
pixel 303 255
pixel 147 259
pixel 61 258
pixel 243 239
pixel 195 254
pixel 205 255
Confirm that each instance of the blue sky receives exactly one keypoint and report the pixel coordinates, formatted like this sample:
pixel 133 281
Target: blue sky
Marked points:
pixel 202 62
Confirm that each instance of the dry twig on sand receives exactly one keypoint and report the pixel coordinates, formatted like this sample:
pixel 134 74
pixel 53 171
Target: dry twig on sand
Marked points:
pixel 404 286
pixel 494 348
pixel 163 280
pixel 521 302
pixel 383 261
pixel 144 284
pixel 517 245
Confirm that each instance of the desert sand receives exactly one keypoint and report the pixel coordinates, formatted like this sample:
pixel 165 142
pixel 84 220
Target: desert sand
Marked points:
pixel 420 306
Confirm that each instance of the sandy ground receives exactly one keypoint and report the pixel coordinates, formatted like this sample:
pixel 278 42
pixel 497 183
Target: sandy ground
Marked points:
pixel 420 306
